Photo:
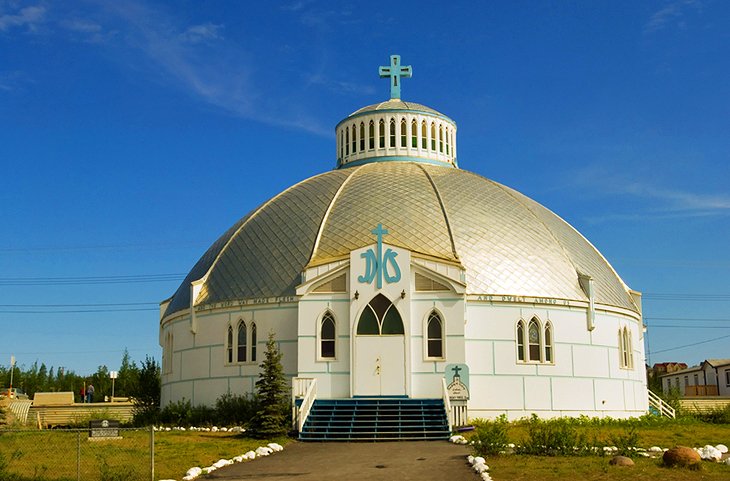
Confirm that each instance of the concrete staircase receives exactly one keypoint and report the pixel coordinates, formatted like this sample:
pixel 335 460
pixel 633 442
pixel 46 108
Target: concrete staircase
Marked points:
pixel 376 419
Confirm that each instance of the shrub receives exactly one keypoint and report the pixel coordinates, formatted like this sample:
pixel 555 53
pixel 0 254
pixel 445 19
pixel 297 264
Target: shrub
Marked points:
pixel 626 442
pixel 490 437
pixel 177 413
pixel 553 437
pixel 236 409
pixel 719 415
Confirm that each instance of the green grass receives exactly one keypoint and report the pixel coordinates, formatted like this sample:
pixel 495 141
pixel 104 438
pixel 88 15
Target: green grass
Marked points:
pixel 596 468
pixel 52 455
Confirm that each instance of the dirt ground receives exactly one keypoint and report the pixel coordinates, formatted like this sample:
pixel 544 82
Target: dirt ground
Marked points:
pixel 384 461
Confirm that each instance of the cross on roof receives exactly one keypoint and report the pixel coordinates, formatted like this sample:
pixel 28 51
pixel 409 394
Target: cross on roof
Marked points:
pixel 395 71
pixel 456 370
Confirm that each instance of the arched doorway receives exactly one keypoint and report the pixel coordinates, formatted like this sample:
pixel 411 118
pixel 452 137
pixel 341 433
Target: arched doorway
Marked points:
pixel 380 350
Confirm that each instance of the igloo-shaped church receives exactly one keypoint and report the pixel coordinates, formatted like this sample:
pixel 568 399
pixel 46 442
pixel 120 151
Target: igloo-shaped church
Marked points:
pixel 398 275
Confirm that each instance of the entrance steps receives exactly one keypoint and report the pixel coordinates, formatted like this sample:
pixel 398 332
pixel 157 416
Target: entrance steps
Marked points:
pixel 376 419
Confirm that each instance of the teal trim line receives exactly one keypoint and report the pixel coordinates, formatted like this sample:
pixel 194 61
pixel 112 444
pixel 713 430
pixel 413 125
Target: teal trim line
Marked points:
pixel 504 341
pixel 524 395
pixel 555 376
pixel 494 360
pixel 192 395
pixel 197 348
pixel 250 308
pixel 394 158
pixel 437 115
pixel 307 336
pixel 572 361
pixel 328 300
pixel 425 373
pixel 455 299
pixel 344 336
pixel 284 341
pixel 552 401
pixel 217 378
pixel 210 358
pixel 455 336
pixel 595 401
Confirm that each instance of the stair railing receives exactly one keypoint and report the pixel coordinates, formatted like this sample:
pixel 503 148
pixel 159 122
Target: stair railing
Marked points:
pixel 662 407
pixel 305 389
pixel 447 403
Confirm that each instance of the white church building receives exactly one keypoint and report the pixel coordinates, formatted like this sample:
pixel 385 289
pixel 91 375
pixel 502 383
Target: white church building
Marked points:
pixel 377 275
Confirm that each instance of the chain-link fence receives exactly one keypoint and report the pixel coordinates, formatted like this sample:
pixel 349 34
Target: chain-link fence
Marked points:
pixel 117 454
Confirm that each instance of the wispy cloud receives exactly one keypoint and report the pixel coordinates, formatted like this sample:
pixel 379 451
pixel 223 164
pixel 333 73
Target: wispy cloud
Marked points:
pixel 12 81
pixel 339 86
pixel 27 17
pixel 673 14
pixel 648 200
pixel 202 32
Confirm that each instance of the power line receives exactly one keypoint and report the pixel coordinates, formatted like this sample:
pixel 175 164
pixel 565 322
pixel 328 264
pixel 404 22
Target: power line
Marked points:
pixel 83 305
pixel 690 345
pixel 707 319
pixel 654 326
pixel 78 311
pixel 129 279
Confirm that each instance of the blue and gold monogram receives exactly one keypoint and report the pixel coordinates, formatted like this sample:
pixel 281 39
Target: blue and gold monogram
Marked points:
pixel 377 263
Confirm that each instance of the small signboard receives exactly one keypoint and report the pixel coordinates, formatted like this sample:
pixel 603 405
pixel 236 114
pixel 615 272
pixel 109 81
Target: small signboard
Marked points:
pixel 100 429
pixel 457 381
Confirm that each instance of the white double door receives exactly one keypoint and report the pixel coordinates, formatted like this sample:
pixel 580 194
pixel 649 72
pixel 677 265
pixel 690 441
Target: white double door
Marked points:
pixel 380 365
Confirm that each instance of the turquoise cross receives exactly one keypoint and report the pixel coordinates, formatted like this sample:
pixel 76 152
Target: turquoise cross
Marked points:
pixel 395 71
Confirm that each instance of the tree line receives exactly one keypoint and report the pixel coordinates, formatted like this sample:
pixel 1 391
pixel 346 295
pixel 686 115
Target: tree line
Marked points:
pixel 41 378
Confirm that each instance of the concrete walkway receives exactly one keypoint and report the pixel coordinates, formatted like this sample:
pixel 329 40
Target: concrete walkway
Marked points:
pixel 386 461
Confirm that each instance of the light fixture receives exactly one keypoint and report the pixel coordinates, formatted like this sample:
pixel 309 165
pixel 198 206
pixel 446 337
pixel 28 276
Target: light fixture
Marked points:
pixel 357 295
pixel 403 294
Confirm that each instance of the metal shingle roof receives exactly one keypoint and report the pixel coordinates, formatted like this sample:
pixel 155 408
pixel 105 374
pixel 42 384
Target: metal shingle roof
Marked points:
pixel 506 242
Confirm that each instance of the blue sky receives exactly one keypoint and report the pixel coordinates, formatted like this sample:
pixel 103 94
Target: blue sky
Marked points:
pixel 132 134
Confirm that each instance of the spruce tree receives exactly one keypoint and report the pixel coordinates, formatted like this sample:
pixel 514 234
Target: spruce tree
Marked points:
pixel 271 419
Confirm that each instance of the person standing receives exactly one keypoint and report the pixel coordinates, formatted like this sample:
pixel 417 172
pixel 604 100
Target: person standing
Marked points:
pixel 90 393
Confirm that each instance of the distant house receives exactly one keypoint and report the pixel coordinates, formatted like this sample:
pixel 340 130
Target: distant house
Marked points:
pixel 710 378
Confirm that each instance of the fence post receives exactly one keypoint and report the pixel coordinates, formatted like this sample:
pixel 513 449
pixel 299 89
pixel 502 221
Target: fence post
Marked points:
pixel 152 453
pixel 78 455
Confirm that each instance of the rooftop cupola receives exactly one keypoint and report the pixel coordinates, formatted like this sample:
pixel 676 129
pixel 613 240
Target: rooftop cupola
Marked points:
pixel 396 130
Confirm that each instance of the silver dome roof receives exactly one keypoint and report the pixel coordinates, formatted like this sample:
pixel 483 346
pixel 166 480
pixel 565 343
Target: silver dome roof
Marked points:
pixel 506 242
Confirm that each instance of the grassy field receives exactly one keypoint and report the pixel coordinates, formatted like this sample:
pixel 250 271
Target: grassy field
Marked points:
pixel 596 468
pixel 52 455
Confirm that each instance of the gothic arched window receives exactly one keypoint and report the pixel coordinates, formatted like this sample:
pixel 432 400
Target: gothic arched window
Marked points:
pixel 380 317
pixel 241 345
pixel 354 139
pixel 441 139
pixel 371 135
pixel 229 344
pixel 362 134
pixel 548 342
pixel 327 336
pixel 253 342
pixel 533 338
pixel 381 134
pixel 392 132
pixel 414 135
pixel 434 336
pixel 424 136
pixel 521 340
pixel 403 133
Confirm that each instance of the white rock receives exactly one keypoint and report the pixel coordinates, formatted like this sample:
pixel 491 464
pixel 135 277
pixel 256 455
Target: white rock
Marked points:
pixel 480 467
pixel 655 449
pixel 263 451
pixel 710 453
pixel 727 461
pixel 250 455
pixel 209 469
pixel 167 429
pixel 479 460
pixel 511 445
pixel 486 477
pixel 238 459
pixel 214 429
pixel 194 472
pixel 276 447
pixel 222 462
pixel 188 478
pixel 722 448
pixel 458 439
pixel 182 429
pixel 236 429
pixel 645 455
pixel 470 459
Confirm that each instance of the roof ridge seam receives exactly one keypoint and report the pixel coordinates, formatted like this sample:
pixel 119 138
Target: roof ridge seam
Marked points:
pixel 443 209
pixel 327 212
pixel 250 218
